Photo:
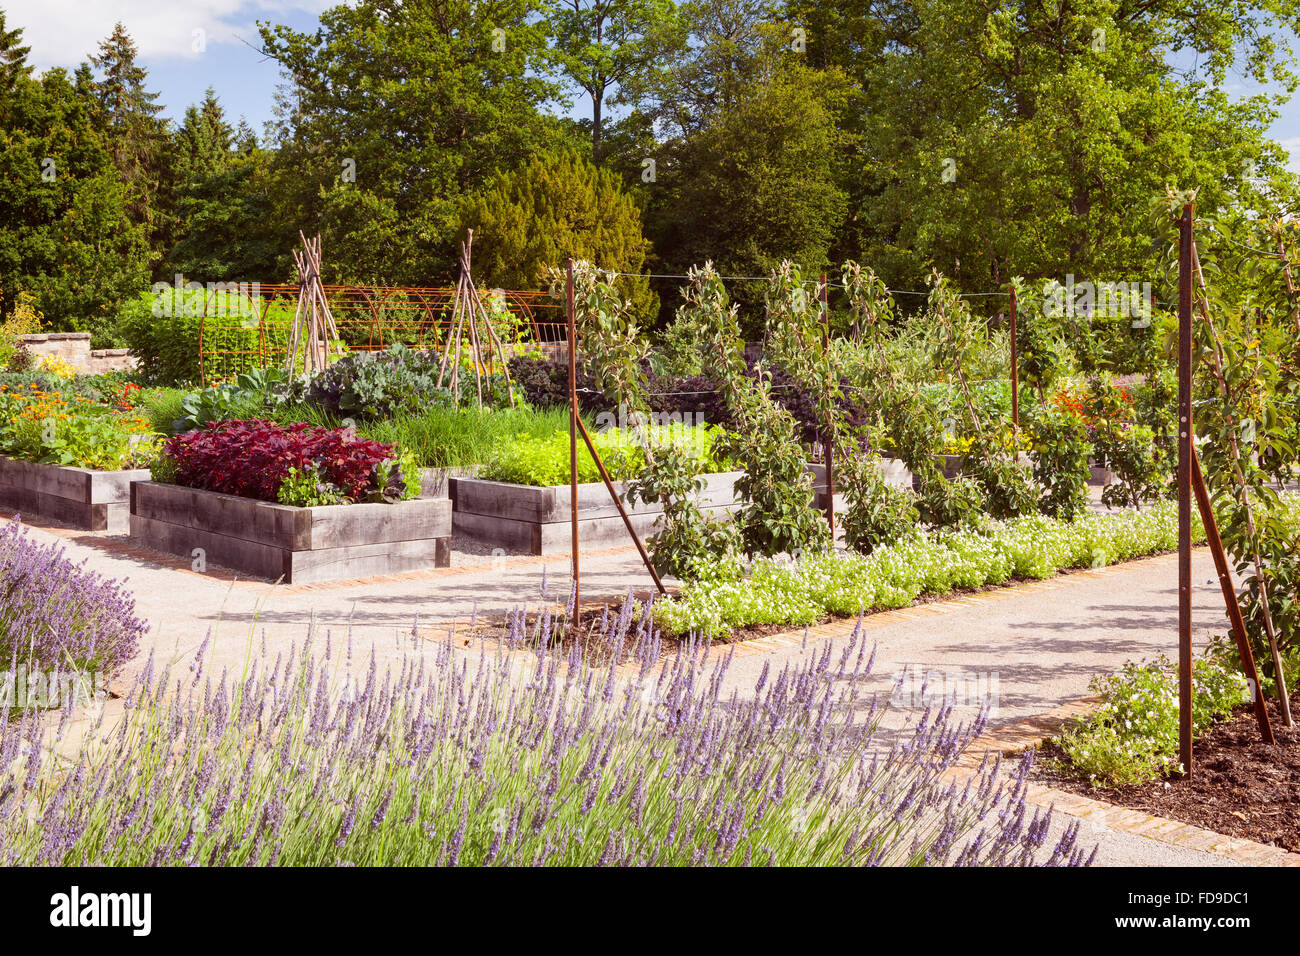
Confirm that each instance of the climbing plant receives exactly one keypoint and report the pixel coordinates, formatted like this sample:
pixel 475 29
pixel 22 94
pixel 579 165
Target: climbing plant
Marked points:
pixel 993 459
pixel 877 513
pixel 615 350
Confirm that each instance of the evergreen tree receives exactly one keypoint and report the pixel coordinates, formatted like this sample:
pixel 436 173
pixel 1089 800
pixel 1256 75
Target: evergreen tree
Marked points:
pixel 65 233
pixel 548 210
pixel 134 130
pixel 223 212
pixel 13 59
pixel 203 141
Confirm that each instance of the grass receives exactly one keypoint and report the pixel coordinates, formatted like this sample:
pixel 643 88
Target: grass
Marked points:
pixel 165 408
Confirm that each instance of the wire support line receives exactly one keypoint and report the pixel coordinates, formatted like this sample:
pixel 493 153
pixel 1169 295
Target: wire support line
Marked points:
pixel 829 285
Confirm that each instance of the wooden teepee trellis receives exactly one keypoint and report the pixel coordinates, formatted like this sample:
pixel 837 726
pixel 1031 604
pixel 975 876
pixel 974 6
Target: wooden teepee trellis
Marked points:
pixel 313 323
pixel 469 315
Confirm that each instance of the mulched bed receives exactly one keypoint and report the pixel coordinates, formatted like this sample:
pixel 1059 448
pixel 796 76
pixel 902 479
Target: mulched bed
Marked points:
pixel 1241 786
pixel 593 643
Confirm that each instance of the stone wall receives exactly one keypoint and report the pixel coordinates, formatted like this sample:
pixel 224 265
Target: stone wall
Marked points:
pixel 74 348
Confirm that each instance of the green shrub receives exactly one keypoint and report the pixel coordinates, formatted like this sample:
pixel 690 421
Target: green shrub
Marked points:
pixel 685 537
pixel 307 487
pixel 1133 736
pixel 177 345
pixel 878 514
pixel 23 320
pixel 249 396
pixel 1060 450
pixel 373 385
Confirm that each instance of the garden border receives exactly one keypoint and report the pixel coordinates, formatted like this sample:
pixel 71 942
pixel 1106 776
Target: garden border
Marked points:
pixel 1034 731
pixel 89 500
pixel 320 543
pixel 538 519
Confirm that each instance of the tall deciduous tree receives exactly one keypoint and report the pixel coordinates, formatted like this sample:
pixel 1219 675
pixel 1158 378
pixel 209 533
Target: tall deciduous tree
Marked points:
pixel 393 112
pixel 758 184
pixel 1034 136
pixel 603 44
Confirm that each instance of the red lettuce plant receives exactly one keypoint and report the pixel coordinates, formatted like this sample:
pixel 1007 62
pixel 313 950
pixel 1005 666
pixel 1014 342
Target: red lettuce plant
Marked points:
pixel 252 458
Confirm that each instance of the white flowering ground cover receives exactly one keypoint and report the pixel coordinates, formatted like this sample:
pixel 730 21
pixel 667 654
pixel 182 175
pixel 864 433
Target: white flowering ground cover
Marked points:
pixel 815 587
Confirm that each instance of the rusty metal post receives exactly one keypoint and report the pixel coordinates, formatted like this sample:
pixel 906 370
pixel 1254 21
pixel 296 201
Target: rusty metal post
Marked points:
pixel 828 440
pixel 573 439
pixel 618 503
pixel 1015 370
pixel 1230 597
pixel 1186 450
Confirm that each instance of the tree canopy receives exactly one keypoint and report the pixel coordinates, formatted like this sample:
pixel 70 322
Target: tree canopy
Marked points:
pixel 1022 137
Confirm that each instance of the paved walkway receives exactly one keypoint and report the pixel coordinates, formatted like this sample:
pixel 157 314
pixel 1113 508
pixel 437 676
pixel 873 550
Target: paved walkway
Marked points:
pixel 1033 647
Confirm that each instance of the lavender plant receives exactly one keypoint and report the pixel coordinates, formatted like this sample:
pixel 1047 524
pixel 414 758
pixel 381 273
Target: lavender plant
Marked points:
pixel 55 614
pixel 506 757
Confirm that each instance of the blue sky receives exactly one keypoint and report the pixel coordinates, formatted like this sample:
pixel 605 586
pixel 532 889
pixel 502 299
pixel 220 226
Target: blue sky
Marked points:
pixel 167 32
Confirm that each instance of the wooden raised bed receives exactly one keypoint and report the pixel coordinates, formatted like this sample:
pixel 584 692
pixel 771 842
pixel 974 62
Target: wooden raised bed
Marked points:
pixel 892 470
pixel 86 499
pixel 300 545
pixel 537 520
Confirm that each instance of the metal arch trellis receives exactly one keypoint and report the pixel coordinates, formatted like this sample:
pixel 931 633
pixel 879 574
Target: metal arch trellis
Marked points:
pixel 368 318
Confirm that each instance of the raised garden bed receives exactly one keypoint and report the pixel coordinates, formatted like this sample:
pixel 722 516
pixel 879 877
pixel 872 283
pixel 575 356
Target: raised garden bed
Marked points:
pixel 86 499
pixel 537 520
pixel 953 466
pixel 1099 473
pixel 894 471
pixel 298 545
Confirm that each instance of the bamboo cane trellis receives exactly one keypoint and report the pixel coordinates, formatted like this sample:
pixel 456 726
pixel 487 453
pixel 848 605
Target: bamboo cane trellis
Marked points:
pixel 366 318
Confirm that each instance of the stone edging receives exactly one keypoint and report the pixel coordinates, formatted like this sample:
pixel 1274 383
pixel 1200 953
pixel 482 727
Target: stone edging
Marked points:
pixel 1033 731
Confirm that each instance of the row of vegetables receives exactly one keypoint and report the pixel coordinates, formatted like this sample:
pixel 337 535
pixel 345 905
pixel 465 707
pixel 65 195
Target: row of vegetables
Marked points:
pixel 224 438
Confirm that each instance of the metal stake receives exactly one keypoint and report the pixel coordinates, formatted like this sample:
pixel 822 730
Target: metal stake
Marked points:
pixel 1185 453
pixel 1015 369
pixel 1230 597
pixel 573 441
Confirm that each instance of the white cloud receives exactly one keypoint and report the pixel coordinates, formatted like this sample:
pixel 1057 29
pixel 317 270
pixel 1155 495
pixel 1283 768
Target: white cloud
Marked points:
pixel 65 32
